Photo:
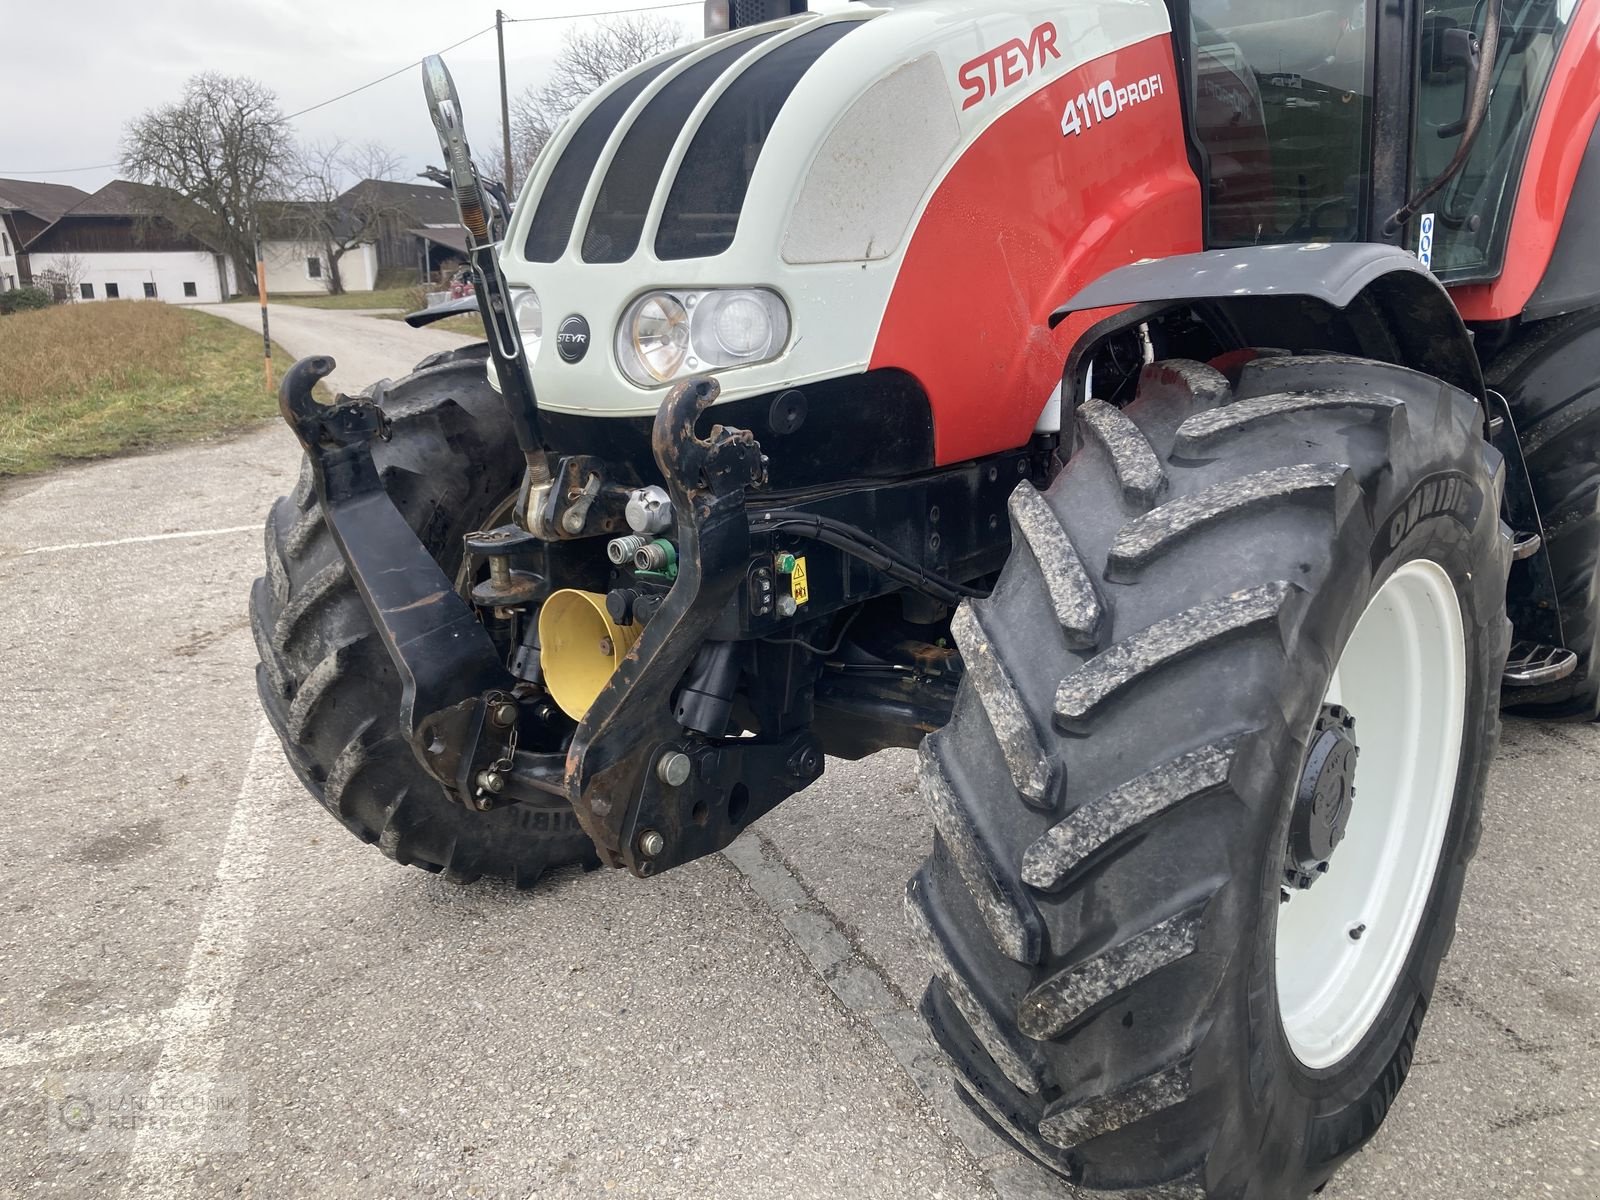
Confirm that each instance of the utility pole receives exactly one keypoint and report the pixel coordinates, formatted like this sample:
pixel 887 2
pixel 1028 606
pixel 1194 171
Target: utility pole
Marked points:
pixel 505 103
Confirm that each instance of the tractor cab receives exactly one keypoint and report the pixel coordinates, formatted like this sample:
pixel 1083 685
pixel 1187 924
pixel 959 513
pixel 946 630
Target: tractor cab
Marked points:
pixel 1314 121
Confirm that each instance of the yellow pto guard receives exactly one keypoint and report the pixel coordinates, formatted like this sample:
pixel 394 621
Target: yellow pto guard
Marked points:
pixel 580 647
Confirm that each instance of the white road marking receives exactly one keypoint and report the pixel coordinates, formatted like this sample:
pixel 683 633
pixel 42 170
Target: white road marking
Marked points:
pixel 148 537
pixel 92 1037
pixel 197 1022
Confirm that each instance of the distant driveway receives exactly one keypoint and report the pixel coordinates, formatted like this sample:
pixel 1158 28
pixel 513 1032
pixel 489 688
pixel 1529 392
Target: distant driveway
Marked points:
pixel 367 348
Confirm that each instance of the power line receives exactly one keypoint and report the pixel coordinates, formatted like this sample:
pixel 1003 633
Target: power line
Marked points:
pixel 12 174
pixel 298 112
pixel 614 12
pixel 575 16
pixel 385 78
pixel 489 29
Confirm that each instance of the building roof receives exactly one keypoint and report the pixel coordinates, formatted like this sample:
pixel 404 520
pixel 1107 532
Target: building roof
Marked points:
pixel 120 198
pixel 138 207
pixel 47 201
pixel 453 236
pixel 428 203
pixel 291 220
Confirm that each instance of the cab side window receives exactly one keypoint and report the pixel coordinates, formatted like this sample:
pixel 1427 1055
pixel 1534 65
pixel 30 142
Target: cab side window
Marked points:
pixel 1471 214
pixel 1281 97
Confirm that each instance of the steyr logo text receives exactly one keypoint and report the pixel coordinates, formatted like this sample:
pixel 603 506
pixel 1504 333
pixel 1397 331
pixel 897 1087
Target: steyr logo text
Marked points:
pixel 995 70
pixel 572 339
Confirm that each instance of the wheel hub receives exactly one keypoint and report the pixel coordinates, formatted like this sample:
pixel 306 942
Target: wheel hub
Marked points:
pixel 1322 801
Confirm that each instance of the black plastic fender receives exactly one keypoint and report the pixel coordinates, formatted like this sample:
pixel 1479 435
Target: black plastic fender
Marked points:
pixel 461 306
pixel 1361 298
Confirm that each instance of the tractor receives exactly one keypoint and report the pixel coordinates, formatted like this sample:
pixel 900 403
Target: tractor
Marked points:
pixel 1179 422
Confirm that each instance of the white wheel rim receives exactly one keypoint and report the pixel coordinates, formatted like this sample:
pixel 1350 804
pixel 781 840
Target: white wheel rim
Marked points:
pixel 1402 676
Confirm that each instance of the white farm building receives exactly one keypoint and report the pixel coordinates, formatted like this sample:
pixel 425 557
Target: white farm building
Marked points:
pixel 119 244
pixel 112 246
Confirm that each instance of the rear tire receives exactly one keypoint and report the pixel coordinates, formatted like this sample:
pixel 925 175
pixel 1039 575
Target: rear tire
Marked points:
pixel 330 689
pixel 1113 795
pixel 1551 382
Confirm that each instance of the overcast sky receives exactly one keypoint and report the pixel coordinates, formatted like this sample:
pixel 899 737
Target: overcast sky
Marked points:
pixel 81 70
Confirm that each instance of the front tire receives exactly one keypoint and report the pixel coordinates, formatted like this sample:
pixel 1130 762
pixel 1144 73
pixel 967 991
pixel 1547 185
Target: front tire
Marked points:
pixel 1114 795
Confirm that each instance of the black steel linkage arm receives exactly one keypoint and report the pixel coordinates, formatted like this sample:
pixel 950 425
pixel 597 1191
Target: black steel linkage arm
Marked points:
pixel 448 664
pixel 635 777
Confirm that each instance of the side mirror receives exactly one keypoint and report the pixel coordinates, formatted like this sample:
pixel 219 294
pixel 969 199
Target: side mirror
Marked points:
pixel 444 107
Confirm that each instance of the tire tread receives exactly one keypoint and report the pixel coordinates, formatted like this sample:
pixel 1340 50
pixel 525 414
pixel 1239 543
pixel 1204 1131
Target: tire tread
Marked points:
pixel 1165 642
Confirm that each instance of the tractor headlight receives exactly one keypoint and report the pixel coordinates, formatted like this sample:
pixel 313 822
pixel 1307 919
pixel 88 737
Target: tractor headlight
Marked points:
pixel 529 316
pixel 667 335
pixel 656 339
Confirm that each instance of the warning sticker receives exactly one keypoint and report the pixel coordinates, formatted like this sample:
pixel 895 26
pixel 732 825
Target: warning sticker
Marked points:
pixel 798 588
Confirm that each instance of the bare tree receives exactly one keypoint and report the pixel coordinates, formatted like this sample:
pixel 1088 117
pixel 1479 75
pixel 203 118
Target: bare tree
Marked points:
pixel 336 217
pixel 594 53
pixel 220 150
pixel 62 277
pixel 590 56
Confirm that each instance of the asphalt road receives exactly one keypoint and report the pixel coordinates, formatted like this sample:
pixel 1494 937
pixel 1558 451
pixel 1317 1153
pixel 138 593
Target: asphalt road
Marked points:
pixel 207 988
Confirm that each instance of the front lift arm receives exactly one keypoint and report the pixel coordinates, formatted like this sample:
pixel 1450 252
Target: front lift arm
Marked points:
pixel 649 794
pixel 449 667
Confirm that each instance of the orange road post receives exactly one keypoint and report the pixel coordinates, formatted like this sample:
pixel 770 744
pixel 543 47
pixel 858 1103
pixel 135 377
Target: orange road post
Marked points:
pixel 261 289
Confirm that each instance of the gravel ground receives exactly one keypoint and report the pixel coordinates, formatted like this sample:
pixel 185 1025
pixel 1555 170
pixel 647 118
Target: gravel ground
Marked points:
pixel 183 924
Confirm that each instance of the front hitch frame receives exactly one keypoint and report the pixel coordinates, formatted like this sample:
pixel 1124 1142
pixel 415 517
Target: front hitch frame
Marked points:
pixel 649 793
pixel 631 769
pixel 450 669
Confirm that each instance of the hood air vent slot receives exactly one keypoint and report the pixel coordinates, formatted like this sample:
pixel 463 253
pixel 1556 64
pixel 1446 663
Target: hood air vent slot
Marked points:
pixel 635 173
pixel 702 212
pixel 551 227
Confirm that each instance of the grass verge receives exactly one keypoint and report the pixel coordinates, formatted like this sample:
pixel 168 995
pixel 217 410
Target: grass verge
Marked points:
pixel 82 381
